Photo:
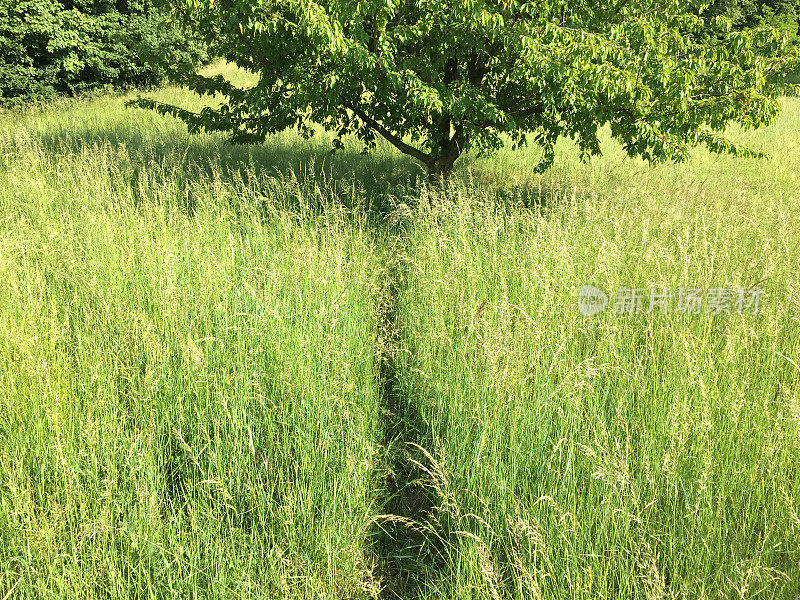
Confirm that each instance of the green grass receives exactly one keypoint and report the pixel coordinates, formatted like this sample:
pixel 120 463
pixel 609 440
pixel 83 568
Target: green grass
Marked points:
pixel 615 456
pixel 188 402
pixel 270 372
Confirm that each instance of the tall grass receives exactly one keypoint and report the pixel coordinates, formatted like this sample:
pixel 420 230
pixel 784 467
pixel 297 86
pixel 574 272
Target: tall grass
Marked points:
pixel 186 378
pixel 270 372
pixel 614 456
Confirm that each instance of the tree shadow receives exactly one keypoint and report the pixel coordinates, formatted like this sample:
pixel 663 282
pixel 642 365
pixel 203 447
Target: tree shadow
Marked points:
pixel 370 182
pixel 347 176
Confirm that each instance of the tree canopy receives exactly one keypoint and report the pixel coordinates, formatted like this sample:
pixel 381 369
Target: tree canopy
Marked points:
pixel 436 78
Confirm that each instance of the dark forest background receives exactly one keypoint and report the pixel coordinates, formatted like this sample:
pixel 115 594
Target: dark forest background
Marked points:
pixel 51 48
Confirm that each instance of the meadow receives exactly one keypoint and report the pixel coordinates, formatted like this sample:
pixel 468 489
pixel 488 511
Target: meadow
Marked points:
pixel 273 372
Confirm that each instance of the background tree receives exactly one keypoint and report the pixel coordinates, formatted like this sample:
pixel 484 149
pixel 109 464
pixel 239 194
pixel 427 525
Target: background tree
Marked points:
pixel 744 14
pixel 436 78
pixel 64 47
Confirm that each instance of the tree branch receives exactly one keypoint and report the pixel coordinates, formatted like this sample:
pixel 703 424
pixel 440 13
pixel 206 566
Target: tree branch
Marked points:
pixel 388 135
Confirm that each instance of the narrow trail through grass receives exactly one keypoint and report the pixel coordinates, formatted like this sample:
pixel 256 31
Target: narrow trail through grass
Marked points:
pixel 406 552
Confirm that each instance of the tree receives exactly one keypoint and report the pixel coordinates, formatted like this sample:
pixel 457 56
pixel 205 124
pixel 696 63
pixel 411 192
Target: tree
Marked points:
pixel 63 47
pixel 436 78
pixel 782 14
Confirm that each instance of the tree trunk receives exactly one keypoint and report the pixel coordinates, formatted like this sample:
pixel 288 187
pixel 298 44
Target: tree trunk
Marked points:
pixel 440 167
pixel 439 170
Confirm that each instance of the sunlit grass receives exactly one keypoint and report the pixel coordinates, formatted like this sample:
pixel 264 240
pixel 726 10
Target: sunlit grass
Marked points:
pixel 187 382
pixel 619 456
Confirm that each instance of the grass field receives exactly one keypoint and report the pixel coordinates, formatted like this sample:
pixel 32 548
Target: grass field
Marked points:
pixel 269 372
